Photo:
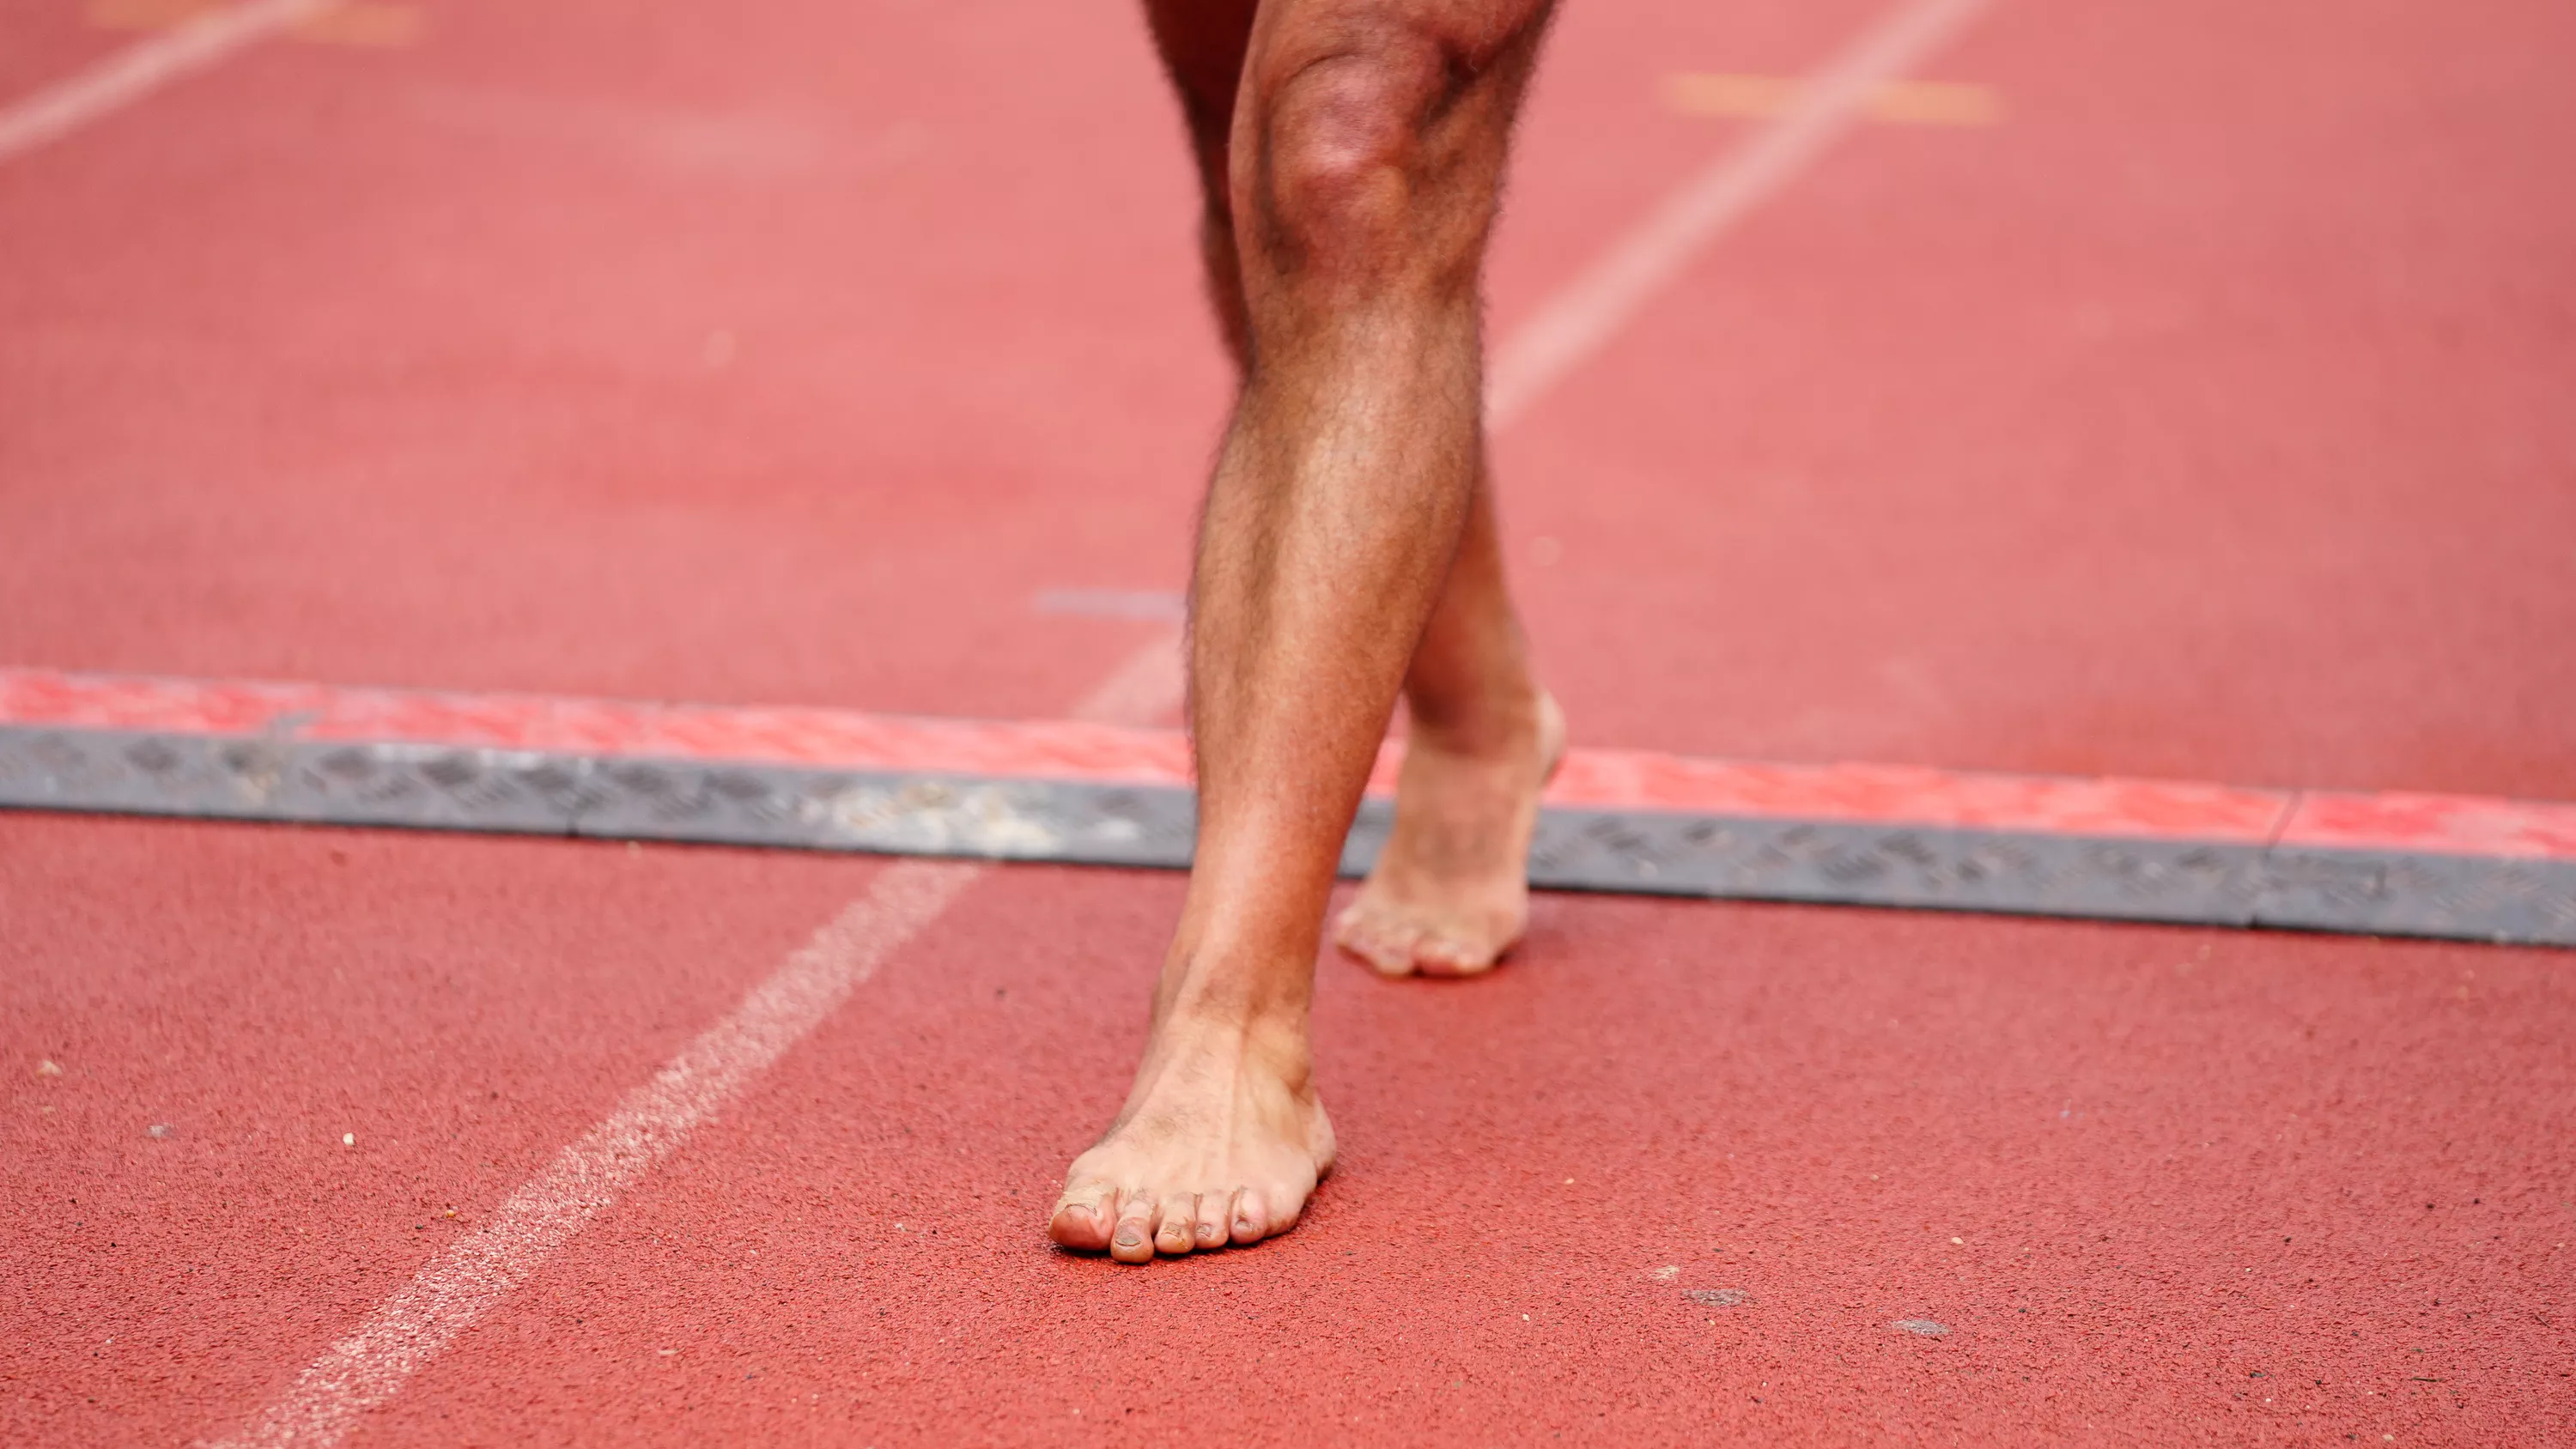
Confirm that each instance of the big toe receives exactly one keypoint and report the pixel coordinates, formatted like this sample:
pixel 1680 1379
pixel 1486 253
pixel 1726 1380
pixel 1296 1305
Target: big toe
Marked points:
pixel 1082 1220
pixel 1251 1217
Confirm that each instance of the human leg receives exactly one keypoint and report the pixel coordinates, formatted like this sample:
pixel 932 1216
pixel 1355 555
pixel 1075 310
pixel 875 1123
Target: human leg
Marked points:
pixel 1449 894
pixel 1365 151
pixel 1203 43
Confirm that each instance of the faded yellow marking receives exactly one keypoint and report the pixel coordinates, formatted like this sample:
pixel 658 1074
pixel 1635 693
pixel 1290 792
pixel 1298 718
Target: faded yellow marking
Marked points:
pixel 1904 103
pixel 359 23
pixel 382 26
pixel 144 14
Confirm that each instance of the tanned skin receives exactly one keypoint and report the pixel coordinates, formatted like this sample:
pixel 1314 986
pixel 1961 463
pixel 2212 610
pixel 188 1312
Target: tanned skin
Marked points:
pixel 1351 154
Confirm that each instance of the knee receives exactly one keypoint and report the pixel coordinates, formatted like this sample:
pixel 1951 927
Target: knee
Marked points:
pixel 1343 164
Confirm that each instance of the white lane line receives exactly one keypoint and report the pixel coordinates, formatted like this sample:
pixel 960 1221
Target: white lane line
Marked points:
pixel 143 67
pixel 470 1278
pixel 1146 604
pixel 476 1272
pixel 1587 312
pixel 1147 689
pixel 1584 314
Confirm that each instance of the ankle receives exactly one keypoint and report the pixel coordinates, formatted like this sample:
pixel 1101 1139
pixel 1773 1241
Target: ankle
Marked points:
pixel 1274 1049
pixel 1212 1000
pixel 1498 724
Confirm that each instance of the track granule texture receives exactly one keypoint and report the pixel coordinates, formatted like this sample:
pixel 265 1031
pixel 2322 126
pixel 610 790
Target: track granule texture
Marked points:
pixel 2199 419
pixel 2186 1173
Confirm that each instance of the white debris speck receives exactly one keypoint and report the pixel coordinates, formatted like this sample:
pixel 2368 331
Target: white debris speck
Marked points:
pixel 1924 1326
pixel 1667 1273
pixel 348 1139
pixel 45 1067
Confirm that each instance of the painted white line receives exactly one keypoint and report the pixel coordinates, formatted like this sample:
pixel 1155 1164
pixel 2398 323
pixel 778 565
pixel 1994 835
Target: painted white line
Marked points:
pixel 1146 690
pixel 1151 605
pixel 476 1272
pixel 1586 313
pixel 139 69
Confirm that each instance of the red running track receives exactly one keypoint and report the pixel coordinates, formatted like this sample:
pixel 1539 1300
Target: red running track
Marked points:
pixel 2199 421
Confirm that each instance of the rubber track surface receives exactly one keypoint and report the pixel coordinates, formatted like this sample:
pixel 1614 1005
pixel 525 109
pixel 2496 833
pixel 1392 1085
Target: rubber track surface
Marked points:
pixel 2202 419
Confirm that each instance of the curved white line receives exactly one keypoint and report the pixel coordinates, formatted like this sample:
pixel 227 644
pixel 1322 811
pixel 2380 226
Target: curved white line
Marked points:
pixel 476 1272
pixel 139 69
pixel 457 1287
pixel 1583 315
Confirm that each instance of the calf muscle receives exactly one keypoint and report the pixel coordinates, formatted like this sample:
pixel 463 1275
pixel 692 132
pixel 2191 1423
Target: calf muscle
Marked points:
pixel 1347 552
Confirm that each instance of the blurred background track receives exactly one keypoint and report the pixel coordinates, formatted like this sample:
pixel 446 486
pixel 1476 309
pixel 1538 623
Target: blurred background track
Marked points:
pixel 2178 390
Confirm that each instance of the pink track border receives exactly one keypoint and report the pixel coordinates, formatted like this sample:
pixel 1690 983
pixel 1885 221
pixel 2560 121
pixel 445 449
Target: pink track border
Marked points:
pixel 1066 750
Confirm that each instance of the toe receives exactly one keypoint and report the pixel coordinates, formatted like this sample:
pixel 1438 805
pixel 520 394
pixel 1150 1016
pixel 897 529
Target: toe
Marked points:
pixel 1082 1217
pixel 1214 1225
pixel 1286 1207
pixel 1179 1228
pixel 1251 1218
pixel 1385 945
pixel 1133 1242
pixel 1443 954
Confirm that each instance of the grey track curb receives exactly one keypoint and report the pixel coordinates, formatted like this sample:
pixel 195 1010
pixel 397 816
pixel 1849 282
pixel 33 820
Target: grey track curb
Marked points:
pixel 438 787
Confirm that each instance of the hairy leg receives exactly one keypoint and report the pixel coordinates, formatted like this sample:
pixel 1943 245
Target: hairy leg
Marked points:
pixel 1449 894
pixel 1366 148
pixel 1203 44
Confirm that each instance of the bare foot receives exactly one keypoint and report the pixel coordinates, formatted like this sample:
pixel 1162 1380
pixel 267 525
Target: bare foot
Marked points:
pixel 1222 1141
pixel 1450 893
